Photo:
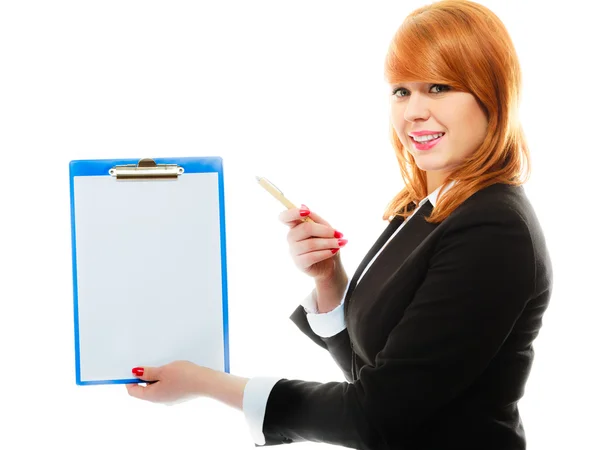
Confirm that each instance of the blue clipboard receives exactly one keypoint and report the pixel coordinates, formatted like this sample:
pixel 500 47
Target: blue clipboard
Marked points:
pixel 149 265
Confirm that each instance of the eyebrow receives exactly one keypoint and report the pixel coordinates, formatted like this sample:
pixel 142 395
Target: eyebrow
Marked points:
pixel 407 84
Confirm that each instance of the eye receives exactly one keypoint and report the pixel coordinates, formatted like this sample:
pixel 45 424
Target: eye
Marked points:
pixel 443 87
pixel 399 89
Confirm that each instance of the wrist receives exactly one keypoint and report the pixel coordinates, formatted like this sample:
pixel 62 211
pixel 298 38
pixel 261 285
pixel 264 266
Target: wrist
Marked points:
pixel 329 292
pixel 226 388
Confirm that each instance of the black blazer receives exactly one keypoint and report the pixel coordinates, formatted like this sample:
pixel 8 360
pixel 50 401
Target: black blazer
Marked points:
pixel 438 344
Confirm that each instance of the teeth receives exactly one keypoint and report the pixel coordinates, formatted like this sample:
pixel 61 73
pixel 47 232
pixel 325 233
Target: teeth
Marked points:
pixel 427 137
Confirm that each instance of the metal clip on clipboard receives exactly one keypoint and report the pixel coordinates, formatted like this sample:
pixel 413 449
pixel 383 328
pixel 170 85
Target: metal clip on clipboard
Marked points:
pixel 146 168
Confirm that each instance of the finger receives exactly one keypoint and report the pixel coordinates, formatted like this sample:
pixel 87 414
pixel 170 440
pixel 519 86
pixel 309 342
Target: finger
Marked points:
pixel 291 217
pixel 308 259
pixel 318 219
pixel 137 391
pixel 315 245
pixel 309 230
pixel 147 373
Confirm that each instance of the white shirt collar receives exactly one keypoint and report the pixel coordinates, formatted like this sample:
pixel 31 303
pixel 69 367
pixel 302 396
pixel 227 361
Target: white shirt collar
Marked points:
pixel 435 194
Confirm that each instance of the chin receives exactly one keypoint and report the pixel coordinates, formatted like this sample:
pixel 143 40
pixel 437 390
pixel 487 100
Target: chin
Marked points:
pixel 432 167
pixel 424 164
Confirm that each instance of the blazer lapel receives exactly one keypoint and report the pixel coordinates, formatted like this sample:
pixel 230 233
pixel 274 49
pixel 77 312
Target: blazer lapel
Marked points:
pixel 424 210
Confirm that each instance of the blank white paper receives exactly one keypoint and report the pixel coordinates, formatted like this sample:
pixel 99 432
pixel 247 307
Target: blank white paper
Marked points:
pixel 149 279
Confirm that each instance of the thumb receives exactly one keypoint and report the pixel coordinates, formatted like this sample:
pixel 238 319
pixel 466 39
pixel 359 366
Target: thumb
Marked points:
pixel 146 373
pixel 315 217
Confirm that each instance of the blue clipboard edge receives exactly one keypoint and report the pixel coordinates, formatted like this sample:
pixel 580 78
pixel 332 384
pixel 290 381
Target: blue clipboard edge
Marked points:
pixel 93 167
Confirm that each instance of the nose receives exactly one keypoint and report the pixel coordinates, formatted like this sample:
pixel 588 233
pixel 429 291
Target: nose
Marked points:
pixel 416 108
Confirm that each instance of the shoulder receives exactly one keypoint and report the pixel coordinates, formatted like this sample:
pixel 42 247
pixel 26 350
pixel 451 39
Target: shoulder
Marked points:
pixel 497 200
pixel 499 211
pixel 501 222
pixel 501 204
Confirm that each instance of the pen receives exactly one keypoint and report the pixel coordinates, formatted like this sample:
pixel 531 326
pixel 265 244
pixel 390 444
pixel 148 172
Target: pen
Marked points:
pixel 272 189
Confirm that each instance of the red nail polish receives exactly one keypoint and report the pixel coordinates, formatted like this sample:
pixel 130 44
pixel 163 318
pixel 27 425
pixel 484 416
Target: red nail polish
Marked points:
pixel 342 242
pixel 337 234
pixel 304 212
pixel 334 250
pixel 138 371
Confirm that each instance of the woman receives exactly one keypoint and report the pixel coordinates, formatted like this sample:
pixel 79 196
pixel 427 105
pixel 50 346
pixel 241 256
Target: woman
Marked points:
pixel 434 331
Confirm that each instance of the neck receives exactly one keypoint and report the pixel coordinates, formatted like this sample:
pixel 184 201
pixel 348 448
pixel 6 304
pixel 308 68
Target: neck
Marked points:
pixel 432 187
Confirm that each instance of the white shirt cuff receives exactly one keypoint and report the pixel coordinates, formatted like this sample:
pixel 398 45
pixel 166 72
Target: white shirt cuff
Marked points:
pixel 327 324
pixel 254 405
pixel 324 324
pixel 310 302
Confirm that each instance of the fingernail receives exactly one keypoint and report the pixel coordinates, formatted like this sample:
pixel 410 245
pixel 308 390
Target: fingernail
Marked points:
pixel 304 211
pixel 342 242
pixel 138 371
pixel 334 250
pixel 337 234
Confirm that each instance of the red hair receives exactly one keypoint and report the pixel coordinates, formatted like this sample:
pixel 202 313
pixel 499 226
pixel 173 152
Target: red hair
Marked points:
pixel 464 45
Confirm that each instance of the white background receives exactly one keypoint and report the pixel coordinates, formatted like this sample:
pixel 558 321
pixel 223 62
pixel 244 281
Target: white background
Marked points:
pixel 292 91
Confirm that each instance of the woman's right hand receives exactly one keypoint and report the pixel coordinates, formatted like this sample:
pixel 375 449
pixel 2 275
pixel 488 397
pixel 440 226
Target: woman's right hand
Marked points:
pixel 314 245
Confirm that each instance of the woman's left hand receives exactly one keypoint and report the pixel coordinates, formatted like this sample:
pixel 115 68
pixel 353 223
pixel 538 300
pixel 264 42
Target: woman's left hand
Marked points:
pixel 172 383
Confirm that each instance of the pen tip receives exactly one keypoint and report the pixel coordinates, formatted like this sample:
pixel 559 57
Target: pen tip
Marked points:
pixel 257 178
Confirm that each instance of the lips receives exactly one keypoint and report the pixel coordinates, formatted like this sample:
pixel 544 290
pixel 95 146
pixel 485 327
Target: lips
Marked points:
pixel 424 133
pixel 426 145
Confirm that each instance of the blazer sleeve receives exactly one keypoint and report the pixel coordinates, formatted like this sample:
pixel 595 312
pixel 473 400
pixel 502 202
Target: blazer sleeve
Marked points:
pixel 337 345
pixel 326 330
pixel 480 278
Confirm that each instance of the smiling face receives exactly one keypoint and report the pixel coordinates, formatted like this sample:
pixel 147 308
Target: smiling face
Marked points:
pixel 417 107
